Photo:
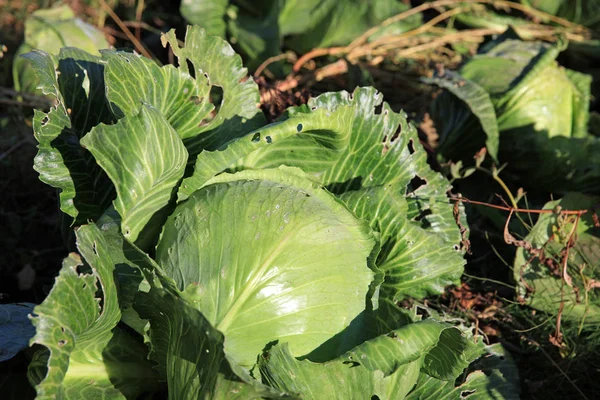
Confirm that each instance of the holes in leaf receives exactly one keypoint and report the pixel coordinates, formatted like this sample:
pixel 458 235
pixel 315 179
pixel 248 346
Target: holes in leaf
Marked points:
pixel 466 393
pixel 197 100
pixel 379 109
pixel 268 139
pixel 352 363
pixel 411 147
pixel 396 133
pixel 216 97
pixel 456 247
pixel 423 312
pixel 62 329
pixel 62 342
pixel 190 66
pixel 386 145
pixel 422 215
pixel 374 397
pixel 255 138
pixel 299 128
pixel 415 183
pixel 45 120
pixel 94 248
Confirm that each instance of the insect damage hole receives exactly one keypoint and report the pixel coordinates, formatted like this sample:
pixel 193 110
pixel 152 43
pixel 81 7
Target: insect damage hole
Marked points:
pixel 197 100
pixel 415 184
pixel 216 97
pixel 190 68
pixel 411 146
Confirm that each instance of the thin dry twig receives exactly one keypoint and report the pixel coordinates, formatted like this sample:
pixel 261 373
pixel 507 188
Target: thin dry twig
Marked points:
pixel 138 45
pixel 524 210
pixel 332 51
pixel 284 56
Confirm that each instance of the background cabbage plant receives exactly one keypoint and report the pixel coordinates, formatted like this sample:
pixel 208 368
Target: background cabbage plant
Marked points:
pixel 261 29
pixel 50 30
pixel 530 113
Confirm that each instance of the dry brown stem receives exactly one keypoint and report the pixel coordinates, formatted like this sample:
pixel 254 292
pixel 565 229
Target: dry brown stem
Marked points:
pixel 138 45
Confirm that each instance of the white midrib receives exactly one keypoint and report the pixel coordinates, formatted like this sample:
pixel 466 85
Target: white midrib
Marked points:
pixel 226 322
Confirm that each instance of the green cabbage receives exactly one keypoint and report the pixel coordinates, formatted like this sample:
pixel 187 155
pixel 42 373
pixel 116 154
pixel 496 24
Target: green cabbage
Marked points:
pixel 540 114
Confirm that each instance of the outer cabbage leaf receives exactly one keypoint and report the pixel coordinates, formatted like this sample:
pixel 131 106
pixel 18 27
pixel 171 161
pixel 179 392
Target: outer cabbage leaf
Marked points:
pixel 87 355
pixel 582 302
pixel 214 57
pixel 145 158
pixel 416 261
pixel 250 250
pixel 374 162
pixel 495 377
pixel 479 103
pixel 189 351
pixel 183 99
pixel 346 145
pixel 75 80
pixel 387 366
pixel 50 30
